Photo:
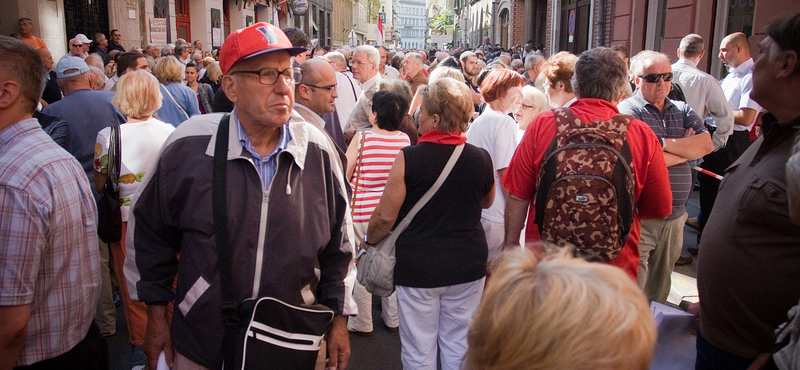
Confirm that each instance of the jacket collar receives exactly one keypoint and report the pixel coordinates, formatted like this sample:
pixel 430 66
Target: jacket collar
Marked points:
pixel 297 147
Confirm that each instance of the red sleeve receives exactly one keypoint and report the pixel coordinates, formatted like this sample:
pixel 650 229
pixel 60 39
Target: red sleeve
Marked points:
pixel 523 170
pixel 654 199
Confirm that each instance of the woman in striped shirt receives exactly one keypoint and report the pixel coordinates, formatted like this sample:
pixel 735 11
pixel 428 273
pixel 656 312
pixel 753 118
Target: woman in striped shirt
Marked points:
pixel 369 158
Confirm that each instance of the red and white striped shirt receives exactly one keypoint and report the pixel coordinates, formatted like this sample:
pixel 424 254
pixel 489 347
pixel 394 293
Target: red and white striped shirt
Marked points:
pixel 372 170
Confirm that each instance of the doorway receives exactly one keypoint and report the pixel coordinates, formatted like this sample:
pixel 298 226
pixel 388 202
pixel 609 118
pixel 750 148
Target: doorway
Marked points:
pixel 504 22
pixel 182 21
pixel 86 17
pixel 574 36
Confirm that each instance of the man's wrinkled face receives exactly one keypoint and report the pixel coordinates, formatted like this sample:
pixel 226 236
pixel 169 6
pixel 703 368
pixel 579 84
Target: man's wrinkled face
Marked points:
pixel 116 37
pixel 103 41
pixel 198 45
pixel 410 66
pixel 25 27
pixel 267 106
pixel 361 67
pixel 154 52
pixel 47 58
pixel 655 92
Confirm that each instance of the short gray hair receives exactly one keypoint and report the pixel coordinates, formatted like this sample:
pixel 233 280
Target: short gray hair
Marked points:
pixel 337 57
pixel 416 56
pixel 373 55
pixel 535 97
pixel 397 86
pixel 599 73
pixel 691 45
pixel 532 61
pixel 645 59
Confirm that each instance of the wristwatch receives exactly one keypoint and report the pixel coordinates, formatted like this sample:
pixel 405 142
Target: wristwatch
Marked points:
pixel 663 142
pixel 366 241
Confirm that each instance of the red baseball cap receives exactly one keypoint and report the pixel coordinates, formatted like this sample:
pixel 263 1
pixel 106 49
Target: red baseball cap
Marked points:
pixel 257 39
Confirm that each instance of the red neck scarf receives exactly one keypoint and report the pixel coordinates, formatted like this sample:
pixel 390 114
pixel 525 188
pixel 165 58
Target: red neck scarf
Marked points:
pixel 446 138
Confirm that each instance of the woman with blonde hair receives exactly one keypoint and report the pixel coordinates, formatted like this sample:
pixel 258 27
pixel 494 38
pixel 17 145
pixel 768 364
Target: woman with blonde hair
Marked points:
pixel 533 102
pixel 212 76
pixel 140 139
pixel 441 255
pixel 560 313
pixel 558 71
pixel 178 101
pixel 437 73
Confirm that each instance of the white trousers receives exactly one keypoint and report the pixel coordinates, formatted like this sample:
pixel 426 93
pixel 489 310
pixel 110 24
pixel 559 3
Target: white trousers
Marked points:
pixel 363 299
pixel 495 237
pixel 436 316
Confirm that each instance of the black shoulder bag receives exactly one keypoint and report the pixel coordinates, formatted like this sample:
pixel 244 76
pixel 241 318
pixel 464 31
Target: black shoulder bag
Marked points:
pixel 263 332
pixel 109 216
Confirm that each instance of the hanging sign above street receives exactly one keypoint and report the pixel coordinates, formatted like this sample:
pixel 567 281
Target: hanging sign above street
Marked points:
pixel 300 6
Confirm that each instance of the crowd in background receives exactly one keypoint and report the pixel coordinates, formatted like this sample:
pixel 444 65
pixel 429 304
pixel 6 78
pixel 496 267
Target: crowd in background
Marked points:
pixel 393 119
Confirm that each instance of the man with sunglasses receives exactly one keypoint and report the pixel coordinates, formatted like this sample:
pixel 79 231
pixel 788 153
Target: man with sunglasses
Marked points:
pixel 286 213
pixel 683 137
pixel 76 49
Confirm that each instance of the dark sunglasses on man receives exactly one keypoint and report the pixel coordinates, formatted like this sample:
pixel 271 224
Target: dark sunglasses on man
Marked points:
pixel 654 77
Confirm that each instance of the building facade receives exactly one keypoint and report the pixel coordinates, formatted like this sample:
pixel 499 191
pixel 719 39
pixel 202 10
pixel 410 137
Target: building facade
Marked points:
pixel 577 25
pixel 413 23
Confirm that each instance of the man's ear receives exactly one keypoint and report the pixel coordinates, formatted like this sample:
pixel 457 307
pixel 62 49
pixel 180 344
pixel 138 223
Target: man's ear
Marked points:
pixel 9 92
pixel 787 63
pixel 702 54
pixel 228 85
pixel 303 90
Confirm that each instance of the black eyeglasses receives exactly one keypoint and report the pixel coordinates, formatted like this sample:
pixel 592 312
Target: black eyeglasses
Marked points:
pixel 268 76
pixel 653 77
pixel 329 88
pixel 75 46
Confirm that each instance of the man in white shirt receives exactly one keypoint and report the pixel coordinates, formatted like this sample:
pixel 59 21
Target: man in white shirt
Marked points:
pixel 386 70
pixel 702 91
pixel 734 51
pixel 315 94
pixel 348 88
pixel 364 65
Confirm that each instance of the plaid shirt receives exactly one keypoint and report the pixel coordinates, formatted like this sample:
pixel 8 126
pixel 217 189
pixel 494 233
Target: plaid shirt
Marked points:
pixel 49 257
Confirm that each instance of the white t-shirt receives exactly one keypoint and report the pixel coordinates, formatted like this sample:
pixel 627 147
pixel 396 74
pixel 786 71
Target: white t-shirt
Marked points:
pixel 141 143
pixel 497 134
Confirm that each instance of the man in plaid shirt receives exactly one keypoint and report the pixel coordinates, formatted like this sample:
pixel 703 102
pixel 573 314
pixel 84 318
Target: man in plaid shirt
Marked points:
pixel 49 263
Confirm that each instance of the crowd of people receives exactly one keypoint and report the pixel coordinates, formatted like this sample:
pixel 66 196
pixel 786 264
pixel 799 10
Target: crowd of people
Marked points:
pixel 557 211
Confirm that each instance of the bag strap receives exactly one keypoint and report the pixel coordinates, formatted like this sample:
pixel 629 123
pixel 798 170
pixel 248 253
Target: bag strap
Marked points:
pixel 230 311
pixel 426 197
pixel 114 159
pixel 175 101
pixel 359 161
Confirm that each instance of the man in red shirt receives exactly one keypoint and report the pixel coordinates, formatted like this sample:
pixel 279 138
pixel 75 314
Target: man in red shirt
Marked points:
pixel 599 82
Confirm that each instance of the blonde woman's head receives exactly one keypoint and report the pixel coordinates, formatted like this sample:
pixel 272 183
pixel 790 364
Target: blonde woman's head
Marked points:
pixel 451 101
pixel 168 70
pixel 214 72
pixel 560 313
pixel 138 95
pixel 441 71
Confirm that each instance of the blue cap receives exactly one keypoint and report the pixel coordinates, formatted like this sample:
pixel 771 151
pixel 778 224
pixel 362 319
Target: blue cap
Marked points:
pixel 75 66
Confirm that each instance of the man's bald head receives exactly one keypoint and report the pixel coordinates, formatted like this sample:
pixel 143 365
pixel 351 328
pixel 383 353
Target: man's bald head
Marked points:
pixel 317 88
pixel 734 49
pixel 737 39
pixel 94 60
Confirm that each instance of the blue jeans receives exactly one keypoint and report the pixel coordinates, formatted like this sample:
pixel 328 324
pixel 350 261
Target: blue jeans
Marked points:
pixel 713 358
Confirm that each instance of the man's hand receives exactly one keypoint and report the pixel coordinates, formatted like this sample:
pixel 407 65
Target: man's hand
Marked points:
pixel 158 338
pixel 694 309
pixel 338 344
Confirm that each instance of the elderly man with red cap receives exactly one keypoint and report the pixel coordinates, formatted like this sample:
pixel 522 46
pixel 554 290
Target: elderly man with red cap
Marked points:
pixel 256 205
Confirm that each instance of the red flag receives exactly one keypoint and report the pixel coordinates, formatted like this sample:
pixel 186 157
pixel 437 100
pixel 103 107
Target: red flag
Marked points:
pixel 380 30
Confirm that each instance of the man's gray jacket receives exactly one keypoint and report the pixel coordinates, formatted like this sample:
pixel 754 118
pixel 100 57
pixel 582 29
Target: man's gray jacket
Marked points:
pixel 292 242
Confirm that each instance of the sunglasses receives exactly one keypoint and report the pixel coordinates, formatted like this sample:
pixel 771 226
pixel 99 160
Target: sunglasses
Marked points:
pixel 653 77
pixel 76 46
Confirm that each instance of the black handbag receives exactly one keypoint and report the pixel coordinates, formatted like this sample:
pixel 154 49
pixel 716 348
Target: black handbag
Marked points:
pixel 109 217
pixel 260 333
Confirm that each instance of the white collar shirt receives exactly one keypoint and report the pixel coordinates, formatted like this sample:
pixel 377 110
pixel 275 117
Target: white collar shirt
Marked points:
pixel 705 96
pixel 737 86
